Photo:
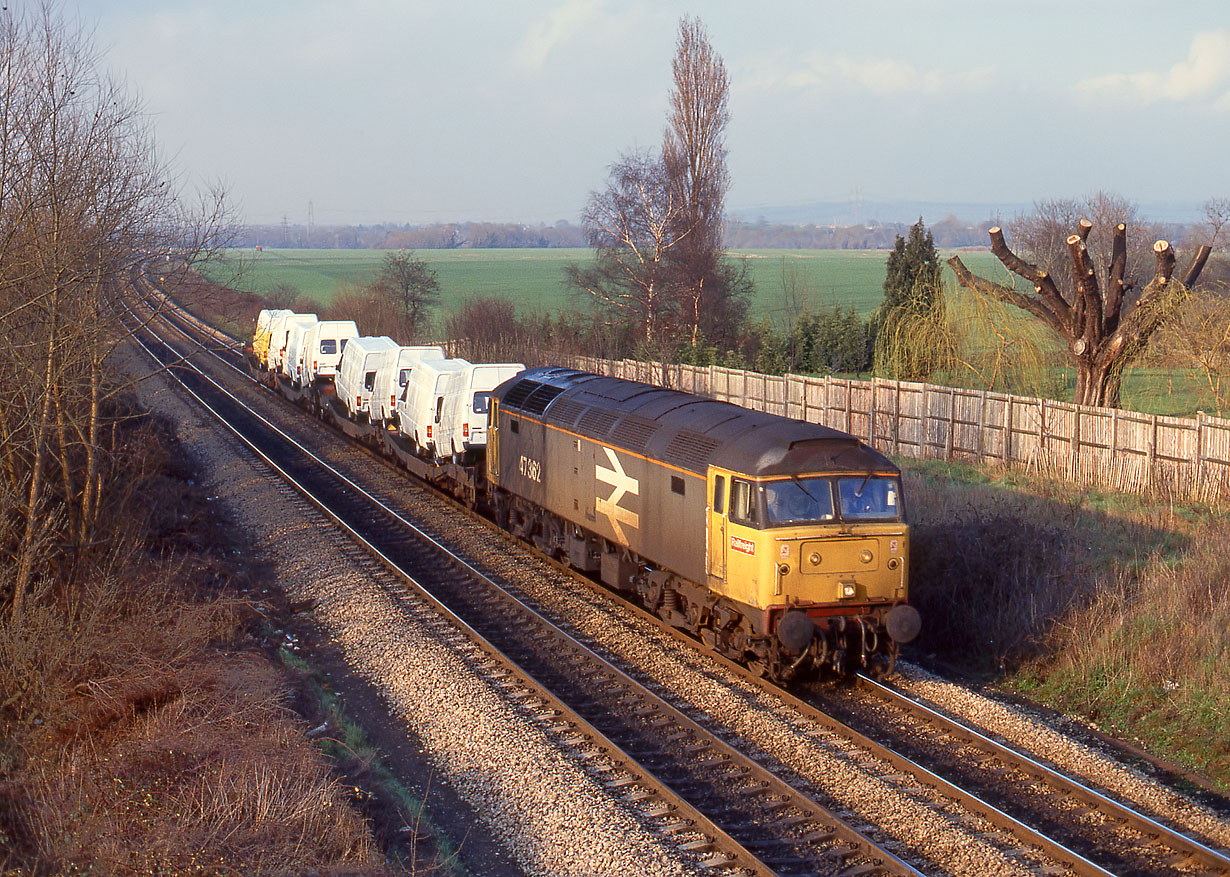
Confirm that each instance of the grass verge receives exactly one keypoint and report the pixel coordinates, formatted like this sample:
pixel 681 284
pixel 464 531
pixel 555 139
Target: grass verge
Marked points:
pixel 399 816
pixel 1111 607
pixel 142 727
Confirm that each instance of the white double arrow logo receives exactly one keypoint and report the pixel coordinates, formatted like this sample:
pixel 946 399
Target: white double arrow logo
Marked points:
pixel 622 484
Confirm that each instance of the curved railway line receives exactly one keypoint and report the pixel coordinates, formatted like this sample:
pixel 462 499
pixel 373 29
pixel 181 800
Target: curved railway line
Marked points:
pixel 729 803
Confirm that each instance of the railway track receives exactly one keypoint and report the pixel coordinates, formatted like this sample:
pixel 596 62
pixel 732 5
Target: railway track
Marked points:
pixel 1063 829
pixel 723 806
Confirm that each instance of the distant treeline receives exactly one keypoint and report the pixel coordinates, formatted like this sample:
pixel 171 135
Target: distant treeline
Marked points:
pixel 948 233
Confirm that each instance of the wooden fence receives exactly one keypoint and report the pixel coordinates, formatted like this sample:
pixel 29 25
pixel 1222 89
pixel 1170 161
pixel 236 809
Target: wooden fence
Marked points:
pixel 1124 450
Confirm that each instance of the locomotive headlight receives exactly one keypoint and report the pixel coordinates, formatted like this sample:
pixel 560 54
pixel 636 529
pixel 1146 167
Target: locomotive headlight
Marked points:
pixel 866 556
pixel 893 563
pixel 814 558
pixel 847 589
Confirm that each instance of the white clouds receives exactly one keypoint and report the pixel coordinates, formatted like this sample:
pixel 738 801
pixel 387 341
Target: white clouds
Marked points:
pixel 1203 75
pixel 881 77
pixel 554 30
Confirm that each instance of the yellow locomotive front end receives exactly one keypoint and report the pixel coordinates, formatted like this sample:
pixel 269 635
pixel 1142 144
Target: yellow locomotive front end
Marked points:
pixel 822 561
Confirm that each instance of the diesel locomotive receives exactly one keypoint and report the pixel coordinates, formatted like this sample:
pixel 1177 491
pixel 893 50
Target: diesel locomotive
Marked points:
pixel 781 544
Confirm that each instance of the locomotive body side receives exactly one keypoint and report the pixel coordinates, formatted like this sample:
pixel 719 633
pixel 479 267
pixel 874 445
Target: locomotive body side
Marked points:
pixel 604 491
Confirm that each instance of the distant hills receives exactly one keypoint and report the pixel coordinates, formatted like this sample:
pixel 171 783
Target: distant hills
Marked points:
pixel 858 212
pixel 817 225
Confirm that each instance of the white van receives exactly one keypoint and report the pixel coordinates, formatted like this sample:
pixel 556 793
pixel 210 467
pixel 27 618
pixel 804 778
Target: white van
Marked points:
pixel 323 346
pixel 462 419
pixel 264 331
pixel 278 327
pixel 356 377
pixel 421 403
pixel 292 353
pixel 392 377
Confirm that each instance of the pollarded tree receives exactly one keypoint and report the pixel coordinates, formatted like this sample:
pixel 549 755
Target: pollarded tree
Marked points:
pixel 1103 318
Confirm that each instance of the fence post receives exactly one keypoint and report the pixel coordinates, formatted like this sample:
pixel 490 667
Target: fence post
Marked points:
pixel 871 417
pixel 1041 427
pixel 950 440
pixel 1076 440
pixel 1200 417
pixel 1152 458
pixel 982 422
pixel 1114 434
pixel 849 408
pixel 897 417
pixel 1008 429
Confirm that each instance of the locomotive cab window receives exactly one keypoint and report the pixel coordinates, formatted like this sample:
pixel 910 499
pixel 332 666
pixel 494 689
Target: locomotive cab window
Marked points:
pixel 743 508
pixel 799 500
pixel 869 497
pixel 719 494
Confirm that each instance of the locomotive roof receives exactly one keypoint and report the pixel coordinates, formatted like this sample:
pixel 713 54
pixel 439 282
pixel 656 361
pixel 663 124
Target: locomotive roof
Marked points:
pixel 684 429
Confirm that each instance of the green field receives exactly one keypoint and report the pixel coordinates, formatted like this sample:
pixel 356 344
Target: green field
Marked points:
pixel 802 280
pixel 534 279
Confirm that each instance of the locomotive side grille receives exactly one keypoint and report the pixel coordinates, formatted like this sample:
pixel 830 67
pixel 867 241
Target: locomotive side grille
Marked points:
pixel 537 401
pixel 690 450
pixel 566 411
pixel 634 433
pixel 597 422
pixel 516 397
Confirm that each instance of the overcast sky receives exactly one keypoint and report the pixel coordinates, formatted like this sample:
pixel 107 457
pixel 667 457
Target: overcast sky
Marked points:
pixel 414 111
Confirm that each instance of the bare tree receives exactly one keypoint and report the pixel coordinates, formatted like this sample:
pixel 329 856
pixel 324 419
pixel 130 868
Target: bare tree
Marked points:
pixel 1216 220
pixel 410 288
pixel 1102 318
pixel 634 225
pixel 711 291
pixel 83 197
pixel 1199 337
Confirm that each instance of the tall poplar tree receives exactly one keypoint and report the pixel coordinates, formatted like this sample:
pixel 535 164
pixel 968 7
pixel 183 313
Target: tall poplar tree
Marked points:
pixel 710 290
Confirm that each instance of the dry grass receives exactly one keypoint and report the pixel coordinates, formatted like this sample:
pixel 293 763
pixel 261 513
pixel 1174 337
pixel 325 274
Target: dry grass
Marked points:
pixel 134 745
pixel 1147 656
pixel 141 728
pixel 1107 606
